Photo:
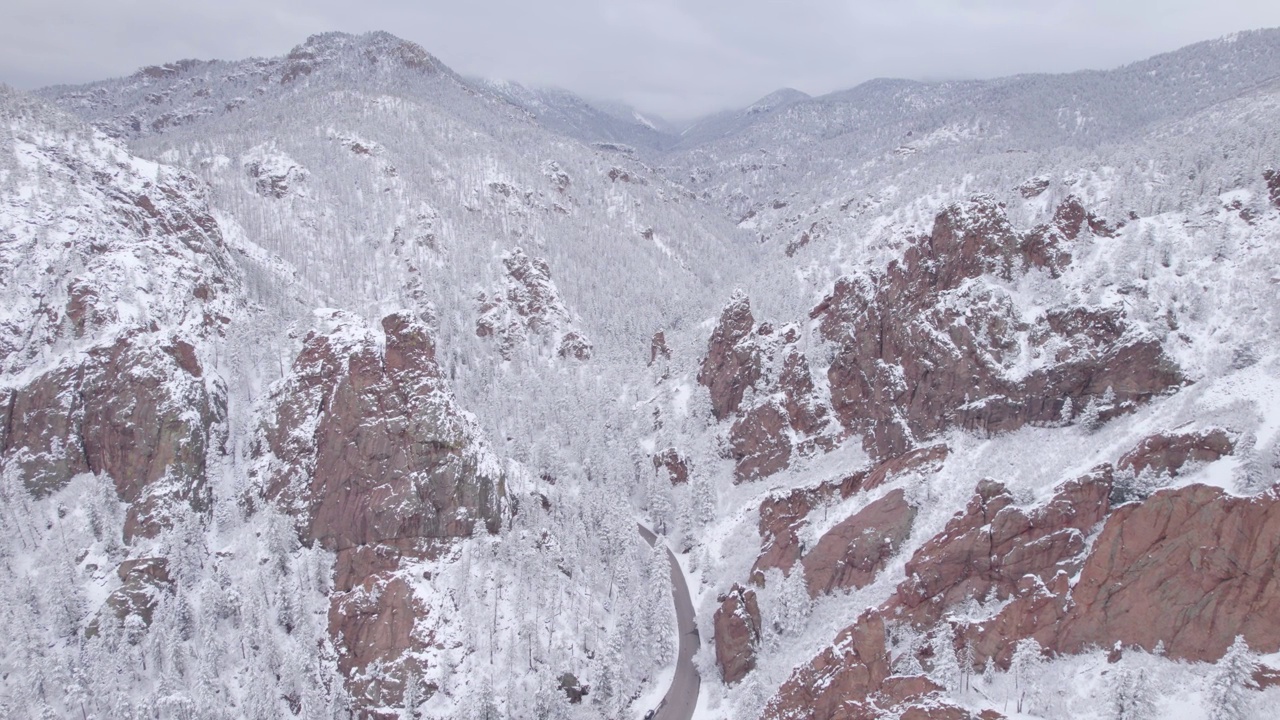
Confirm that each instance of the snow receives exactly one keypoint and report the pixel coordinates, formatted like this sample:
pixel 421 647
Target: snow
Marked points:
pixel 456 177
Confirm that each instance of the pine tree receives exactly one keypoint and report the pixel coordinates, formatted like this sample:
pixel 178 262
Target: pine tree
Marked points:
pixel 1025 668
pixel 1130 695
pixel 1229 685
pixel 946 668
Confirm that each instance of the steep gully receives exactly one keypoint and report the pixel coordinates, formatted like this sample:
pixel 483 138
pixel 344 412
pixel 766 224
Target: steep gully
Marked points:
pixel 682 696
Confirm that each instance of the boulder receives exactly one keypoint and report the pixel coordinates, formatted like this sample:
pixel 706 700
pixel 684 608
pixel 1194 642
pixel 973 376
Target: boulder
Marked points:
pixel 737 628
pixel 1167 453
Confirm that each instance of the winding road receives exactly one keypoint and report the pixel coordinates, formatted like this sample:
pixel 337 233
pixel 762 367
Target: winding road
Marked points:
pixel 682 696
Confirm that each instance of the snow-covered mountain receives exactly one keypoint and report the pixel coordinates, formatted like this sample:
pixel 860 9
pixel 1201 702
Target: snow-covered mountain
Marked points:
pixel 335 385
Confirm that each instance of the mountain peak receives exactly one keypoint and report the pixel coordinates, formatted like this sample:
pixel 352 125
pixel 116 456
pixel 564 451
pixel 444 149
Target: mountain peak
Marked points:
pixel 373 47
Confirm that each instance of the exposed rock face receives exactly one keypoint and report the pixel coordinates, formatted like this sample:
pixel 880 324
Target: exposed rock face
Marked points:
pixel 674 464
pixel 850 554
pixel 527 308
pixel 1272 178
pixel 1166 454
pixel 136 411
pixel 783 516
pixel 791 419
pixel 759 442
pixel 376 623
pixel 368 451
pixel 144 580
pixel 658 347
pixel 273 174
pixel 1033 187
pixel 390 457
pixel 992 545
pixel 730 366
pixel 737 626
pixel 1192 567
pixel 575 345
pixel 1188 567
pixel 838 682
pixel 936 310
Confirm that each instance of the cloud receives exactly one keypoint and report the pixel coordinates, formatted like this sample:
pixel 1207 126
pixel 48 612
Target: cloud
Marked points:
pixel 673 57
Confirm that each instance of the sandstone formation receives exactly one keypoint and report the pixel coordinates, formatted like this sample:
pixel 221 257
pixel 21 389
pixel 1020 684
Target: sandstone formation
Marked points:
pixel 366 448
pixel 528 308
pixel 737 628
pixel 1166 454
pixel 934 310
pixel 137 411
pixel 730 366
pixel 838 683
pixel 742 356
pixel 783 516
pixel 850 554
pixel 675 465
pixel 988 549
pixel 1192 567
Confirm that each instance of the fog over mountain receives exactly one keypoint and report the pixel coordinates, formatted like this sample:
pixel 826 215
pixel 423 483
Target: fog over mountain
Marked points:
pixel 669 58
pixel 345 382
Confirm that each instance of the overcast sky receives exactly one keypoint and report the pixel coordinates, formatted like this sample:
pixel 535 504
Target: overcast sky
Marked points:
pixel 677 58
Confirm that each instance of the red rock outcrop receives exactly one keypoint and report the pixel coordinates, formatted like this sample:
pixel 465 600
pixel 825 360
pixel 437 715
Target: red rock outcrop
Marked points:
pixel 143 580
pixel 390 456
pixel 1166 454
pixel 1033 187
pixel 759 443
pixel 575 345
pixel 1192 567
pixel 674 464
pixel 850 554
pixel 898 330
pixel 1272 179
pixel 990 547
pixel 366 448
pixel 658 347
pixel 136 411
pixel 838 683
pixel 789 419
pixel 528 305
pixel 737 628
pixel 376 624
pixel 783 516
pixel 1189 567
pixel 731 366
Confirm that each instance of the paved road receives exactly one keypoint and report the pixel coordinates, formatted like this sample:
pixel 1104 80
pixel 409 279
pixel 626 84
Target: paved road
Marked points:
pixel 682 696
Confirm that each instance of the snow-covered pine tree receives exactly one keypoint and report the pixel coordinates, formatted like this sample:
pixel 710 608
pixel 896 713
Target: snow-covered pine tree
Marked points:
pixel 1229 686
pixel 1028 657
pixel 1130 694
pixel 946 667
